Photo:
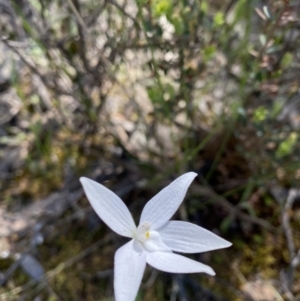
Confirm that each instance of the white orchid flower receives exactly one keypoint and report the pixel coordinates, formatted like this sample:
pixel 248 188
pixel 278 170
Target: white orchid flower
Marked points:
pixel 155 239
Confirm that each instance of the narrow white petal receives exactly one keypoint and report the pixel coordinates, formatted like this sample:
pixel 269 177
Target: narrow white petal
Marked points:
pixel 128 273
pixel 109 207
pixel 163 205
pixel 174 263
pixel 189 238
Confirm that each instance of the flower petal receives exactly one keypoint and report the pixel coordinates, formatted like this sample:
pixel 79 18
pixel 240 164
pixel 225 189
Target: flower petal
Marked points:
pixel 174 263
pixel 128 273
pixel 155 243
pixel 189 238
pixel 109 207
pixel 163 205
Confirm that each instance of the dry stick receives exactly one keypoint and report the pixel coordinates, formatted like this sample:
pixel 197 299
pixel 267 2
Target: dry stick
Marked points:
pixel 213 196
pixel 77 15
pixel 94 247
pixel 286 222
pixel 295 262
pixel 112 2
pixel 294 258
pixel 14 47
pixel 51 274
pixel 85 32
pixel 151 279
pixel 11 270
pixel 175 289
pixel 103 59
pixel 15 265
pixel 82 31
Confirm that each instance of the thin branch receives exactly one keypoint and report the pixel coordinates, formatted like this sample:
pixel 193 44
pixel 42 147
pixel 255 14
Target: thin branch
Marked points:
pixel 294 258
pixel 77 15
pixel 220 200
pixel 58 269
pixel 286 222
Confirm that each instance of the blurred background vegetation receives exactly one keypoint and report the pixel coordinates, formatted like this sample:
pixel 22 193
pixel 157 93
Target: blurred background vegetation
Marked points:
pixel 134 93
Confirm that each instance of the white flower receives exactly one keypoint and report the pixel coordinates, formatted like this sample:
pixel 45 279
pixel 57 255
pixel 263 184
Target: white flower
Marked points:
pixel 155 238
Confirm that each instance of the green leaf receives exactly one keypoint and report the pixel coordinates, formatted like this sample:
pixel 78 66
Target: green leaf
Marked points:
pixel 219 19
pixel 286 60
pixel 263 39
pixel 162 7
pixel 286 147
pixel 260 114
pixel 204 6
pixel 209 52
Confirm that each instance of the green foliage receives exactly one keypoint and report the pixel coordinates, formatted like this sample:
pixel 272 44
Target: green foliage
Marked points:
pixel 260 114
pixel 286 147
pixel 209 52
pixel 162 7
pixel 287 60
pixel 219 19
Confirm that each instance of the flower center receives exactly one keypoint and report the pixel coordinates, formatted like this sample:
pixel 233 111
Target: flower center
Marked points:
pixel 148 239
pixel 143 232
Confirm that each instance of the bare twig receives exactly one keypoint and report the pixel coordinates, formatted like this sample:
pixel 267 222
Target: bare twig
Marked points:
pixel 294 257
pixel 151 280
pixel 286 221
pixel 83 33
pixel 48 81
pixel 10 271
pixel 62 266
pixel 220 200
pixel 77 15
pixel 175 289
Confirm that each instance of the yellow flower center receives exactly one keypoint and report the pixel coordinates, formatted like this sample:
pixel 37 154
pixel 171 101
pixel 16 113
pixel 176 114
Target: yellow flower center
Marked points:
pixel 143 232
